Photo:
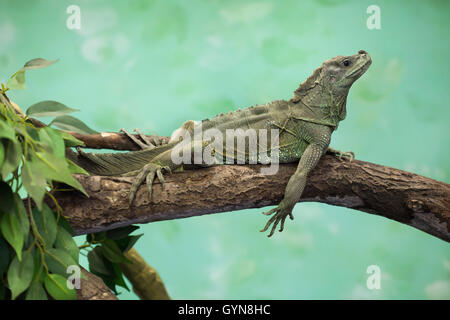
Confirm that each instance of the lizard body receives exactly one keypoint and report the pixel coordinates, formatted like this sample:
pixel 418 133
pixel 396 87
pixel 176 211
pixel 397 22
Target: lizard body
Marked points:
pixel 304 125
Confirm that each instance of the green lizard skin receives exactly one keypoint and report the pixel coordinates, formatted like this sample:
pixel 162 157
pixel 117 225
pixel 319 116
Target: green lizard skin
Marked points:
pixel 305 124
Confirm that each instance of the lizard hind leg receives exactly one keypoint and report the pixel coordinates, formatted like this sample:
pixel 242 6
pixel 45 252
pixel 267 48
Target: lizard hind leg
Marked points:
pixel 164 163
pixel 148 173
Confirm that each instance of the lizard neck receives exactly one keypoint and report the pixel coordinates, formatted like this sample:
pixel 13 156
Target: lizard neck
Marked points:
pixel 322 104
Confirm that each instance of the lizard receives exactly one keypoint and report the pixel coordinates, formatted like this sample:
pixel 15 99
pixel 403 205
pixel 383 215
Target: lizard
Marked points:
pixel 304 125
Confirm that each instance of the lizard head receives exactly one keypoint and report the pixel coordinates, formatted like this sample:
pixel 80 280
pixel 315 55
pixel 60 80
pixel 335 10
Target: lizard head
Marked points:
pixel 323 96
pixel 336 75
pixel 341 72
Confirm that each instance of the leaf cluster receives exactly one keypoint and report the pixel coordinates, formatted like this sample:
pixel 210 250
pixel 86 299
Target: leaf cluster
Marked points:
pixel 36 248
pixel 36 241
pixel 107 253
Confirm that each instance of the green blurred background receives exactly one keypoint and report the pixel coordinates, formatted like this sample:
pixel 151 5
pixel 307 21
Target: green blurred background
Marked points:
pixel 154 64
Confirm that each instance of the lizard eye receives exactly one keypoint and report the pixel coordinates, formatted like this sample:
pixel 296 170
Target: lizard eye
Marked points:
pixel 346 63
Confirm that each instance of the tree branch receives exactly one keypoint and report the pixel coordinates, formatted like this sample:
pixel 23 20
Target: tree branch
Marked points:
pixel 111 140
pixel 147 283
pixel 93 288
pixel 411 199
pixel 104 140
pixel 408 198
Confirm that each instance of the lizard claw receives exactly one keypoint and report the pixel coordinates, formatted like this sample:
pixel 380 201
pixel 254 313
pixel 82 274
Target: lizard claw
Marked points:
pixel 160 176
pixel 167 169
pixel 281 212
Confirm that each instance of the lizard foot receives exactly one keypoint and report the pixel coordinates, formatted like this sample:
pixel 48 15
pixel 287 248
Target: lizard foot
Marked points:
pixel 147 143
pixel 148 173
pixel 346 155
pixel 281 212
pixel 342 155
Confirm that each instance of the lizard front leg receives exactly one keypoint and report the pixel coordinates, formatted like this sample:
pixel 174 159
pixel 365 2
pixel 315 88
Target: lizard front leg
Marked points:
pixel 297 182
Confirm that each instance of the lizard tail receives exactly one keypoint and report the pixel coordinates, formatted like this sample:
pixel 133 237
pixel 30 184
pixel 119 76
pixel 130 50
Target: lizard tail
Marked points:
pixel 113 164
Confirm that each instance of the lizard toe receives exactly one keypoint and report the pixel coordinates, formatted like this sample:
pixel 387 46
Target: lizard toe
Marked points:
pixel 160 176
pixel 149 183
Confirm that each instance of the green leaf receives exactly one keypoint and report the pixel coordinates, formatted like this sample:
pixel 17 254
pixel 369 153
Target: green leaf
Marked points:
pixel 58 261
pixel 57 169
pixel 2 153
pixel 17 82
pixel 49 108
pixel 38 63
pixel 4 256
pixel 62 222
pixel 20 274
pixel 53 140
pixel 120 233
pixel 34 182
pixel 56 286
pixel 6 198
pixel 105 269
pixel 118 279
pixel 64 241
pixel 32 132
pixel 15 213
pixel 74 168
pixel 3 291
pixel 13 155
pixel 6 131
pixel 97 236
pixel 127 243
pixel 36 292
pixel 112 252
pixel 23 216
pixel 98 263
pixel 46 224
pixel 70 140
pixel 39 270
pixel 72 124
pixel 12 232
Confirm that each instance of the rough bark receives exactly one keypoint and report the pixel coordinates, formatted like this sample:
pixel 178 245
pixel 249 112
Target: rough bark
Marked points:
pixel 411 199
pixel 93 288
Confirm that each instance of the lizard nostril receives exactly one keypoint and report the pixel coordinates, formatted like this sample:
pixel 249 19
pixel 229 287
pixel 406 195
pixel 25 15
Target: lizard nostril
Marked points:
pixel 362 52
